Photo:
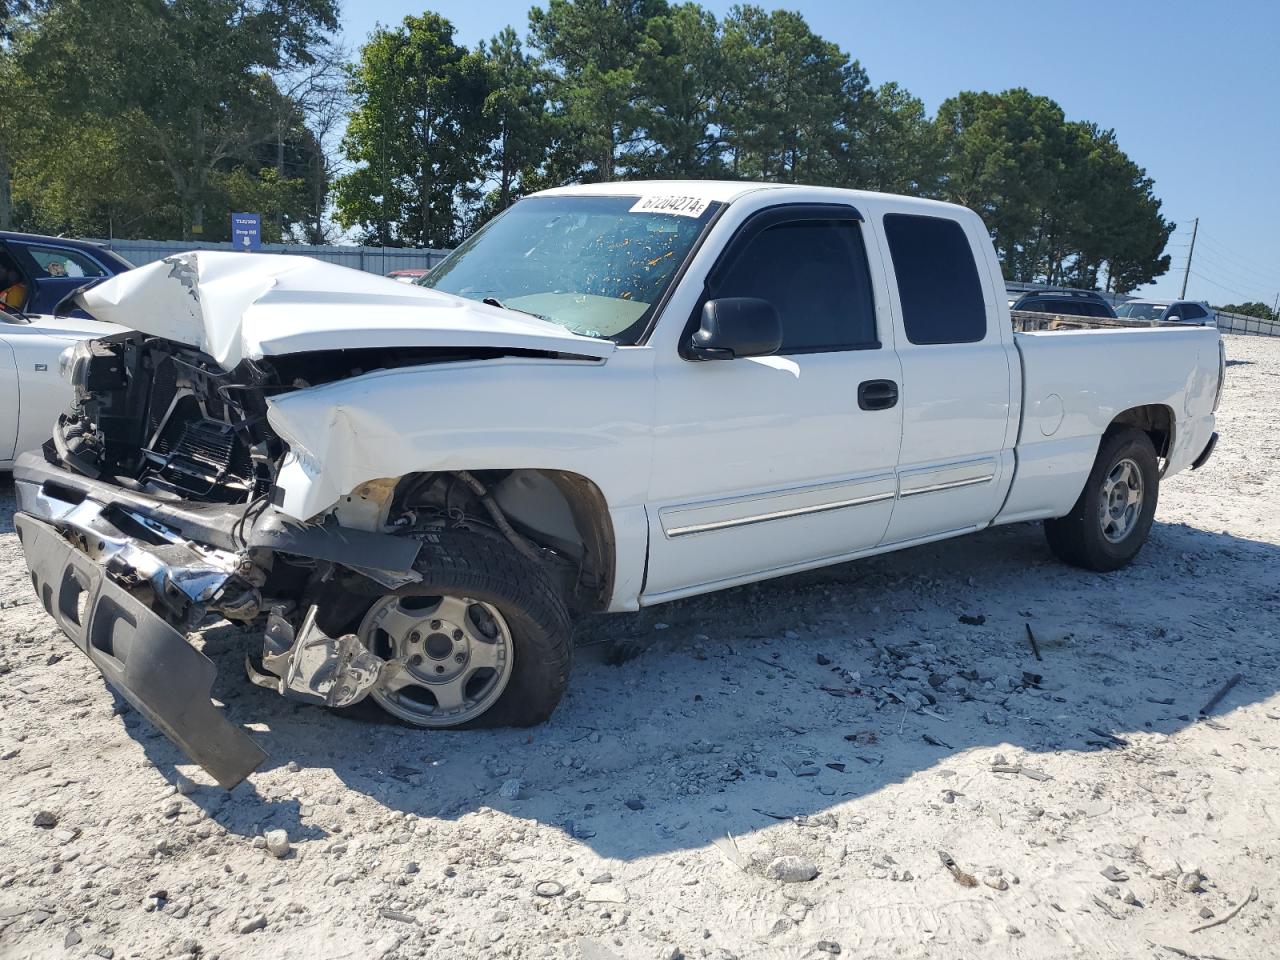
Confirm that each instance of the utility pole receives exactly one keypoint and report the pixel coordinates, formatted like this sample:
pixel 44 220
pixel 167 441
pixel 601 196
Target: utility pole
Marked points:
pixel 1186 273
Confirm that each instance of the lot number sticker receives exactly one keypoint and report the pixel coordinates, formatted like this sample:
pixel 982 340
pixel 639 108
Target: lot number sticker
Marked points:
pixel 680 206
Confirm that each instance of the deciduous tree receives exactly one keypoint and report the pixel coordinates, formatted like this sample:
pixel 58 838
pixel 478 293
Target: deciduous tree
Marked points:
pixel 188 73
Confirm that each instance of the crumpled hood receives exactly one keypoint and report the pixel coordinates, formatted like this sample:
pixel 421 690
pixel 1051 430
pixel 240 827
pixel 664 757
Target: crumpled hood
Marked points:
pixel 252 305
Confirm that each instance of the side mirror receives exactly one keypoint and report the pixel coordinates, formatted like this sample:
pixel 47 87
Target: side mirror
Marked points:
pixel 735 327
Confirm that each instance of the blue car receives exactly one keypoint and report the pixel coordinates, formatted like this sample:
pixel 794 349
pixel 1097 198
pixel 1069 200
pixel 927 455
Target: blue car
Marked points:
pixel 37 273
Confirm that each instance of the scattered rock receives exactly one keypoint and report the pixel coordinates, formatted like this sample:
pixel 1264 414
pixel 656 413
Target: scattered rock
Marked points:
pixel 510 789
pixel 996 883
pixel 634 803
pixel 397 915
pixel 1114 874
pixel 257 922
pixel 1206 913
pixel 972 619
pixel 277 843
pixel 824 661
pixel 184 784
pixel 72 938
pixel 791 869
pixel 1191 882
pixel 827 946
pixel 800 767
pixel 45 819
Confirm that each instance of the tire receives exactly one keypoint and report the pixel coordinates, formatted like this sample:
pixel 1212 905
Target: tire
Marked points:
pixel 489 571
pixel 1089 538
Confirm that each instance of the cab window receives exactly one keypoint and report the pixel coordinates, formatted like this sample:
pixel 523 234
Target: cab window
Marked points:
pixel 814 272
pixel 938 283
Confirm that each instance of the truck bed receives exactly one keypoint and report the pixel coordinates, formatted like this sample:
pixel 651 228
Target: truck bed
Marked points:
pixel 1076 381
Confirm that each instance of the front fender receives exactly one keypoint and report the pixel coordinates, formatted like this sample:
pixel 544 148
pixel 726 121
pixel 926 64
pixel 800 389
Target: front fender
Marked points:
pixel 586 417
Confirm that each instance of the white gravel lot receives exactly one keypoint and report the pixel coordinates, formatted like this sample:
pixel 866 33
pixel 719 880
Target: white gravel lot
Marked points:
pixel 755 724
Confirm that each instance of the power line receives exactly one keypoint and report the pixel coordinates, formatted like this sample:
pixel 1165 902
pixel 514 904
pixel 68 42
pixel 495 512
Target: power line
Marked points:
pixel 1235 292
pixel 1223 249
pixel 1237 272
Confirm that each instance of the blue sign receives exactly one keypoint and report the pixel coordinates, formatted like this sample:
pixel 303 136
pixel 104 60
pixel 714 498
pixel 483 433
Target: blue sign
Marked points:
pixel 246 231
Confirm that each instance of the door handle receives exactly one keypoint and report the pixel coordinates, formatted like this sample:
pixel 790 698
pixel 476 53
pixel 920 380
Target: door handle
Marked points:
pixel 877 395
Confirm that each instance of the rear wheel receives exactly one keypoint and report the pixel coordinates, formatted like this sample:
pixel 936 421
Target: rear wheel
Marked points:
pixel 1109 523
pixel 482 640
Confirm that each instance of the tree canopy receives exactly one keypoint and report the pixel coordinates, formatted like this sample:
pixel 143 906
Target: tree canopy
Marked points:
pixel 159 117
pixel 172 108
pixel 1251 308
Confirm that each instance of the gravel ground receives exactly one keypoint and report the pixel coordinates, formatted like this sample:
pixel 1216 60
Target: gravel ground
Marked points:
pixel 866 760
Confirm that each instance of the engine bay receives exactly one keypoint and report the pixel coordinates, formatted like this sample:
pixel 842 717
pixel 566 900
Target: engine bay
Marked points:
pixel 164 419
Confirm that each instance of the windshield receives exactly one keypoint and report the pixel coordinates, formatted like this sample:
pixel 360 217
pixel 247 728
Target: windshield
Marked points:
pixel 1140 311
pixel 594 265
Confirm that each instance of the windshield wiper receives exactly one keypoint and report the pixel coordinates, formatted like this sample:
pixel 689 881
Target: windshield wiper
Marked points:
pixel 495 302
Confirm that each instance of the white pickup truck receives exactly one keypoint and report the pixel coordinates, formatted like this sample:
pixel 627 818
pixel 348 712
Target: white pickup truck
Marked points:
pixel 610 396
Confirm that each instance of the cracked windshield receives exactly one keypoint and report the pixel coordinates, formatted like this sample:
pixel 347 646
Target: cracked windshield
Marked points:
pixel 594 265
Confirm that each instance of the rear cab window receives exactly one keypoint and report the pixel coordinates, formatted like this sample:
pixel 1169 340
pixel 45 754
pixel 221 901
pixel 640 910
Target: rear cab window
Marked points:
pixel 938 282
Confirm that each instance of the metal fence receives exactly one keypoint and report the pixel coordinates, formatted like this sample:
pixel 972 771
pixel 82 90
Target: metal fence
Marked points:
pixel 370 259
pixel 1239 323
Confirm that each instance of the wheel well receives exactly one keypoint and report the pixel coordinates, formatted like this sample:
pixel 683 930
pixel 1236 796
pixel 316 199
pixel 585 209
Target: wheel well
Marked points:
pixel 567 513
pixel 557 518
pixel 1155 420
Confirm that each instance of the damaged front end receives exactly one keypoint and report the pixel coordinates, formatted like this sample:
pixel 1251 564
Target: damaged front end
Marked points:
pixel 149 513
pixel 166 499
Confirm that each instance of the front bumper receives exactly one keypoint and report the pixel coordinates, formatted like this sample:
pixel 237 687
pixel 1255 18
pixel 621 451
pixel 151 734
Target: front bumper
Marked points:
pixel 143 658
pixel 104 559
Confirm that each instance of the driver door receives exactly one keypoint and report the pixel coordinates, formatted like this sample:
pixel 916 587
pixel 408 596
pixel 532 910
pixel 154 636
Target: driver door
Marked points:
pixel 768 464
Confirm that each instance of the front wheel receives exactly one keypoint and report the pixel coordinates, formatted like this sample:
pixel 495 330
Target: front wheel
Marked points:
pixel 483 640
pixel 1109 523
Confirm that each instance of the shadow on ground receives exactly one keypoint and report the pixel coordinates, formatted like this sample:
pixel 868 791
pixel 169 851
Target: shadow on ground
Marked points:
pixel 703 733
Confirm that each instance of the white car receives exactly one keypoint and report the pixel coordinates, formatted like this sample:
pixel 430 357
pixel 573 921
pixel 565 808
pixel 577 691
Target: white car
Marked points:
pixel 610 396
pixel 32 395
pixel 1196 312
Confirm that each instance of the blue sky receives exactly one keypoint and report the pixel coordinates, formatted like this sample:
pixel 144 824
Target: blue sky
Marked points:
pixel 1192 90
